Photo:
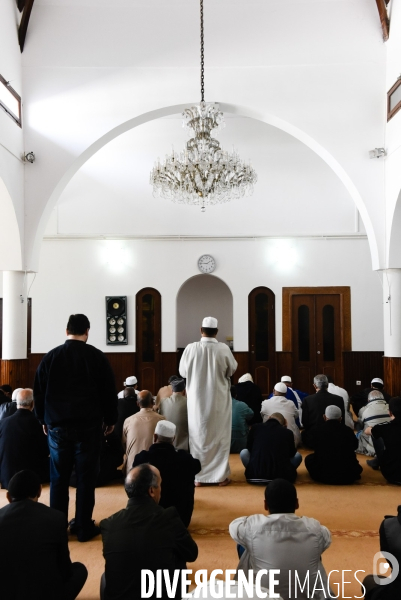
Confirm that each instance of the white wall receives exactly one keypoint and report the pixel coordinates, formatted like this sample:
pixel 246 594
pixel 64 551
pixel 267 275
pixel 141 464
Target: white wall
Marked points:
pixel 199 297
pixel 75 276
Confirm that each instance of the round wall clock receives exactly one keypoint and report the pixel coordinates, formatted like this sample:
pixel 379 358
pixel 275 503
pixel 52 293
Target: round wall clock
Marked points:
pixel 206 264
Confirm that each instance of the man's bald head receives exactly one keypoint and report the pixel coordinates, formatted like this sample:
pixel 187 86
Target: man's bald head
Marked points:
pixel 143 481
pixel 25 399
pixel 145 399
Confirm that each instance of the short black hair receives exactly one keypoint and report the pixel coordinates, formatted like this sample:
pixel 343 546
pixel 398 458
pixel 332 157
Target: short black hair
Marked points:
pixel 23 485
pixel 209 331
pixel 377 385
pixel 173 377
pixel 281 496
pixel 7 389
pixel 78 324
pixel 395 406
pixel 139 487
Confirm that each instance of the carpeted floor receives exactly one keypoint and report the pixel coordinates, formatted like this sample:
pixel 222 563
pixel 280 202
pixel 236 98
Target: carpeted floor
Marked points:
pixel 352 513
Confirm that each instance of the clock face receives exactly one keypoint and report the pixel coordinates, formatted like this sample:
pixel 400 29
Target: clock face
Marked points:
pixel 206 264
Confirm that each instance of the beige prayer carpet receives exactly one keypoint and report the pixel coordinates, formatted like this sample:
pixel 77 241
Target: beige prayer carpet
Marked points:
pixel 352 513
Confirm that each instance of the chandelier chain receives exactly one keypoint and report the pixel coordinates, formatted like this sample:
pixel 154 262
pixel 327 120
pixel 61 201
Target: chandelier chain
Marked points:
pixel 202 48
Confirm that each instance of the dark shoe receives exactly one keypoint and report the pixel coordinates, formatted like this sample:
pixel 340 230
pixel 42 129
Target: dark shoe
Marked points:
pixel 72 527
pixel 87 534
pixel 373 464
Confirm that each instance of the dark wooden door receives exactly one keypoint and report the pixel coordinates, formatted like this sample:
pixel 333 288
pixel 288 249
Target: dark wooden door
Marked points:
pixel 316 338
pixel 148 339
pixel 262 338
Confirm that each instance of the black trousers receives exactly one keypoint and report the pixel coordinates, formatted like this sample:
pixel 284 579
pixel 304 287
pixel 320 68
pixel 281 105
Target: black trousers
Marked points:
pixel 76 582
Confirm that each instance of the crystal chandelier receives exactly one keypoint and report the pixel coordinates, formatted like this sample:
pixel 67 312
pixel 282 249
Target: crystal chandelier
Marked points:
pixel 202 174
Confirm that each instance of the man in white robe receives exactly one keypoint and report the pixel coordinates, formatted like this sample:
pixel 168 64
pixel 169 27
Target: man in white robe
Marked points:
pixel 207 366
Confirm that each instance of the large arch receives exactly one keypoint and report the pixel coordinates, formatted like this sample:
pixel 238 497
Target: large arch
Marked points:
pixel 394 244
pixel 202 296
pixel 10 239
pixel 242 111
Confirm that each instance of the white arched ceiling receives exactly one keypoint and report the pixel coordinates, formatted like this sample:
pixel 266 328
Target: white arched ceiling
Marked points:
pixel 226 108
pixel 10 240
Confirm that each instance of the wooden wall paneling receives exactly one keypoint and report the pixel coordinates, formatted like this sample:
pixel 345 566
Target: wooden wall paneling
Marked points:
pixel 15 373
pixel 123 365
pixel 262 378
pixel 169 367
pixel 284 364
pixel 362 366
pixel 34 361
pixel 242 359
pixel 392 375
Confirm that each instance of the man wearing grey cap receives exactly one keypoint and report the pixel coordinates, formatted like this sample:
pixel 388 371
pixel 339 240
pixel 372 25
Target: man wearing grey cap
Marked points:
pixel 208 366
pixel 174 409
pixel 334 460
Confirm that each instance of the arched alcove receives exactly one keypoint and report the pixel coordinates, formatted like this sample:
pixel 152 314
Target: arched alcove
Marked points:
pixel 203 296
pixel 10 241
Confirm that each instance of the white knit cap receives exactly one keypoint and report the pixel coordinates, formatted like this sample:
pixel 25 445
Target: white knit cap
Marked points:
pixel 210 322
pixel 377 380
pixel 131 380
pixel 286 378
pixel 281 387
pixel 333 412
pixel 15 393
pixel 246 377
pixel 166 429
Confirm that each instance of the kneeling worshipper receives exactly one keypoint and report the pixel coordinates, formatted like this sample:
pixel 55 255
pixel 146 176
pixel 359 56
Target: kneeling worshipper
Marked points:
pixel 251 394
pixel 374 413
pixel 207 366
pixel 334 459
pixel 278 403
pixel 386 439
pixel 242 416
pixel 270 452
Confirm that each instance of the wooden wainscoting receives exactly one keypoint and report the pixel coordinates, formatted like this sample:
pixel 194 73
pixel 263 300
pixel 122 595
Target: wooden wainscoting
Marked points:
pixel 169 366
pixel 242 359
pixel 392 375
pixel 362 366
pixel 15 373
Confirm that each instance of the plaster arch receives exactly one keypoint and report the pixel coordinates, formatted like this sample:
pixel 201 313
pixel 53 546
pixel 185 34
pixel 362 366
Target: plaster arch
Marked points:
pixel 203 296
pixel 394 243
pixel 242 111
pixel 10 239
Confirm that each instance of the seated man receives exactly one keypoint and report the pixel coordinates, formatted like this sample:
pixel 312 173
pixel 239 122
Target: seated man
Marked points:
pixel 282 540
pixel 37 536
pixel 174 409
pixel 127 404
pixel 390 541
pixel 374 413
pixel 250 393
pixel 296 396
pixel 241 417
pixel 138 430
pixel 313 408
pixel 334 459
pixel 165 391
pixel 270 452
pixel 360 399
pixel 143 536
pixel 278 403
pixel 177 469
pixel 386 440
pixel 23 445
pixel 339 391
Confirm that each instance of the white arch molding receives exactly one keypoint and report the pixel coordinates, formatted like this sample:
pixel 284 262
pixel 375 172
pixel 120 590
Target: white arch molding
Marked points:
pixel 241 111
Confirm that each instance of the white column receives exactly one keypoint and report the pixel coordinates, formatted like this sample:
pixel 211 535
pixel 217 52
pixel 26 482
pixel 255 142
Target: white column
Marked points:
pixel 392 312
pixel 14 315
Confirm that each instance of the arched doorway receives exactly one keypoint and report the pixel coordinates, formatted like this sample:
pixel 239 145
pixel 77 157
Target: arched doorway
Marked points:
pixel 262 338
pixel 202 296
pixel 148 338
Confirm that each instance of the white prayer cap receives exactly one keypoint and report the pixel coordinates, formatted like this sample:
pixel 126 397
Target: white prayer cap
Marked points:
pixel 210 322
pixel 166 429
pixel 286 378
pixel 131 380
pixel 281 387
pixel 15 394
pixel 246 377
pixel 377 380
pixel 333 412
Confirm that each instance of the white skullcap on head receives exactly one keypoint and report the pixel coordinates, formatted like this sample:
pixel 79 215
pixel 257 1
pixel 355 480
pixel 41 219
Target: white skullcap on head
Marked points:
pixel 210 322
pixel 246 377
pixel 131 380
pixel 333 412
pixel 281 387
pixel 377 380
pixel 166 429
pixel 286 378
pixel 15 393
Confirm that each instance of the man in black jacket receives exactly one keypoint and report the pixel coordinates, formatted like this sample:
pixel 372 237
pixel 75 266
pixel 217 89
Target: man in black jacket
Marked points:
pixel 143 536
pixel 34 556
pixel 334 460
pixel 270 452
pixel 177 469
pixel 75 396
pixel 314 406
pixel 23 445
